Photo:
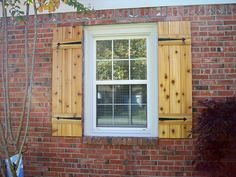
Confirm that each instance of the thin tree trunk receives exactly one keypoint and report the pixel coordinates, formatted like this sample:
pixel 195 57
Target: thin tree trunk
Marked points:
pixel 3 64
pixel 27 78
pixel 30 82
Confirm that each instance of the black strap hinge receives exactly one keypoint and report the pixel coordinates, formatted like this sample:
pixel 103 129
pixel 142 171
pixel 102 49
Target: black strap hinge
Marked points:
pixel 69 118
pixel 168 119
pixel 69 43
pixel 171 39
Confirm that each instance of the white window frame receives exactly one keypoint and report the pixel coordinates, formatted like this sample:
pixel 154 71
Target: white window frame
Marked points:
pixel 149 30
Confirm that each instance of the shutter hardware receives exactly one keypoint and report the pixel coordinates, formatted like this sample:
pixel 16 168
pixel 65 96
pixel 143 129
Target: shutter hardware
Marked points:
pixel 68 43
pixel 165 119
pixel 171 39
pixel 69 118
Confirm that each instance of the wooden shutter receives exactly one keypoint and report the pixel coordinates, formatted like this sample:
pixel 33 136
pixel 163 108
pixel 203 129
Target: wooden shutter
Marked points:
pixel 67 81
pixel 175 79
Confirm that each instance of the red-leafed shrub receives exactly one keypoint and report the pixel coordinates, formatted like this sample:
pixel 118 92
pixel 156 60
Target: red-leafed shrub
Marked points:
pixel 216 142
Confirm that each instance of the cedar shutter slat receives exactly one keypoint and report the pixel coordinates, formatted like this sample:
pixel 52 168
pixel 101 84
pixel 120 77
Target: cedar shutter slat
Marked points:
pixel 186 82
pixel 164 70
pixel 188 79
pixel 175 106
pixel 67 82
pixel 175 113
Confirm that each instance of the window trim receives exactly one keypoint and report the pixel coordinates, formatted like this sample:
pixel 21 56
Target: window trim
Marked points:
pixel 91 33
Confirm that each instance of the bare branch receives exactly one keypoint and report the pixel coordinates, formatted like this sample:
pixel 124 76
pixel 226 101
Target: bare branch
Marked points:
pixel 27 77
pixel 3 74
pixel 7 98
pixel 31 83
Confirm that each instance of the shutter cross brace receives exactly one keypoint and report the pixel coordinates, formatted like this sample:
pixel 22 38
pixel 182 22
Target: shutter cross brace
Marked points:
pixel 69 118
pixel 165 119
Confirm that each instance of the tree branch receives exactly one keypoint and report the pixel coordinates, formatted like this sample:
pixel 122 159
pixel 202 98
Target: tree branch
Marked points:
pixel 3 64
pixel 31 83
pixel 27 77
pixel 9 125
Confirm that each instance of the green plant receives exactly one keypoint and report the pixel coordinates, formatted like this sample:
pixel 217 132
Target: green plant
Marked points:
pixel 216 142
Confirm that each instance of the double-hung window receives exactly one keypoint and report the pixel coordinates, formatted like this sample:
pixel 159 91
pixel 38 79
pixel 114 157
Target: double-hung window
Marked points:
pixel 121 80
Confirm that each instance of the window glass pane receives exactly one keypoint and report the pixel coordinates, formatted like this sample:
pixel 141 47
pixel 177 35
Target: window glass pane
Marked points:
pixel 121 70
pixel 138 48
pixel 121 115
pixel 139 94
pixel 104 49
pixel 121 94
pixel 122 105
pixel 121 49
pixel 104 94
pixel 138 69
pixel 139 115
pixel 104 70
pixel 104 115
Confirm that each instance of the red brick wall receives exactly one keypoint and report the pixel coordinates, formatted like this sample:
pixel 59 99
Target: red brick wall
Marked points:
pixel 214 76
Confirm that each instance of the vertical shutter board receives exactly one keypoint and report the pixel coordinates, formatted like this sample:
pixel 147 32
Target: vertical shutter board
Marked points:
pixel 175 98
pixel 174 28
pixel 55 129
pixel 186 79
pixel 55 83
pixel 186 130
pixel 163 28
pixel 164 130
pixel 183 79
pixel 74 80
pixel 67 33
pixel 185 28
pixel 76 85
pixel 66 87
pixel 79 83
pixel 189 79
pixel 57 80
pixel 175 131
pixel 57 35
pixel 164 76
pixel 72 33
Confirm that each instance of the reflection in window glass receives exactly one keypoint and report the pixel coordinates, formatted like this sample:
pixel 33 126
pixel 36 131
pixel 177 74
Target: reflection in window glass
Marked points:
pixel 137 48
pixel 139 115
pixel 121 49
pixel 122 105
pixel 104 70
pixel 121 115
pixel 104 49
pixel 104 115
pixel 123 59
pixel 104 94
pixel 138 69
pixel 121 70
